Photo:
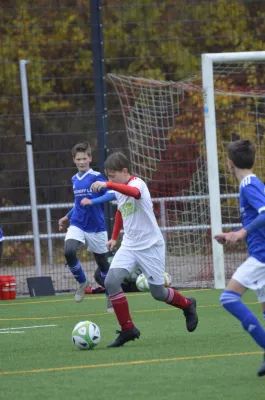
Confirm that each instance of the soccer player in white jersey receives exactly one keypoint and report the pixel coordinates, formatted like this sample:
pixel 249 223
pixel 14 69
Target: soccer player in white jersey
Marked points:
pixel 87 222
pixel 250 274
pixel 142 244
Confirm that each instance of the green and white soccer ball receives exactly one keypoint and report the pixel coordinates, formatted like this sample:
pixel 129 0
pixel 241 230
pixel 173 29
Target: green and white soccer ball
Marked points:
pixel 143 285
pixel 168 279
pixel 86 335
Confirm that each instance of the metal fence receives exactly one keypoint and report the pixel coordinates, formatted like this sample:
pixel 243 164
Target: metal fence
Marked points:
pixel 71 47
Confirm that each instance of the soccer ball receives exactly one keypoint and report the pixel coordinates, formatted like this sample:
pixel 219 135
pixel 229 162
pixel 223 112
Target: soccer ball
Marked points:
pixel 168 279
pixel 86 335
pixel 142 283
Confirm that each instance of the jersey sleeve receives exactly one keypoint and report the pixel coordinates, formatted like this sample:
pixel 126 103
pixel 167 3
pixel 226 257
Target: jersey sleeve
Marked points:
pixel 117 225
pixel 69 214
pixel 109 195
pixel 255 197
pixel 102 178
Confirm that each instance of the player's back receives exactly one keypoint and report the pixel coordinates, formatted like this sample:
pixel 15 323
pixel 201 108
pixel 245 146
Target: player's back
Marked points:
pixel 252 202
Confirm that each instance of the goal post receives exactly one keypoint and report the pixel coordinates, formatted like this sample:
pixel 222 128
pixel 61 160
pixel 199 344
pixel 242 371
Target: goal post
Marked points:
pixel 208 61
pixel 177 135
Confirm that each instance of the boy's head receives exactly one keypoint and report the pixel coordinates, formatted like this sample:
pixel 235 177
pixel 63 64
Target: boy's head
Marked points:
pixel 241 154
pixel 117 168
pixel 82 158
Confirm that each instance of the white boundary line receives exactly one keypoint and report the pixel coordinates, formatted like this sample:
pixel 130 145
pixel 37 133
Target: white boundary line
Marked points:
pixel 27 327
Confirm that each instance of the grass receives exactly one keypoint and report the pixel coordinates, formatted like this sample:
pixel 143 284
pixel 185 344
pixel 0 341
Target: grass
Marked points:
pixel 219 360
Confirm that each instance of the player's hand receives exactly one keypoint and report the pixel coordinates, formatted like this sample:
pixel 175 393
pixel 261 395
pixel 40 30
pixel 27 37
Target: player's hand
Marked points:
pixel 111 244
pixel 63 224
pixel 231 238
pixel 86 202
pixel 98 185
pixel 220 238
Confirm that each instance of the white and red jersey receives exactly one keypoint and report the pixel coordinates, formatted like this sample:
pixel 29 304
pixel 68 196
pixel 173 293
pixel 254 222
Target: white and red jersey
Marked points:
pixel 141 230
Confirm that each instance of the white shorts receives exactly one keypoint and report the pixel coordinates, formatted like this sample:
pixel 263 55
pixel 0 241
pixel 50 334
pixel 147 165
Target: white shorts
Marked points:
pixel 151 261
pixel 251 274
pixel 95 241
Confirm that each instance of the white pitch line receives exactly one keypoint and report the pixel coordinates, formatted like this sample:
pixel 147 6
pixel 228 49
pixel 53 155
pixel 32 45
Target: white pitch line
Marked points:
pixel 12 332
pixel 27 327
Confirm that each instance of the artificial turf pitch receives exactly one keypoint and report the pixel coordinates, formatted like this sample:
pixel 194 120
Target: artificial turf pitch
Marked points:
pixel 38 361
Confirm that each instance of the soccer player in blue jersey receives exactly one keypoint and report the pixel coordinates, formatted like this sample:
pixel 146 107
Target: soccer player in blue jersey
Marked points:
pixel 87 222
pixel 250 274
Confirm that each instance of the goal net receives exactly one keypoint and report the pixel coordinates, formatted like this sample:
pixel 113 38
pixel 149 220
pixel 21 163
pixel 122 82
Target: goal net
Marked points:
pixel 168 149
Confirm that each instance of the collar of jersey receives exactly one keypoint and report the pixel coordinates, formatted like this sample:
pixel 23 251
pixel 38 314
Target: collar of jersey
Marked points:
pixel 130 179
pixel 245 178
pixel 85 174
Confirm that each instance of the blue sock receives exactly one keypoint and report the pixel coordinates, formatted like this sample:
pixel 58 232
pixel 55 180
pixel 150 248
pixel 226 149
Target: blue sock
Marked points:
pixel 264 314
pixel 231 301
pixel 77 271
pixel 103 276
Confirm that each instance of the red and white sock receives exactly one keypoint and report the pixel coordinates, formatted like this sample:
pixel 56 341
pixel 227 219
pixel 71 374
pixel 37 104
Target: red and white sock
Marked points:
pixel 176 299
pixel 121 309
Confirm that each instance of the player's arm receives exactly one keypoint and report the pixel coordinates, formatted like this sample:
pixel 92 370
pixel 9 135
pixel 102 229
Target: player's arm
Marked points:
pixel 116 230
pixel 108 196
pixel 63 222
pixel 118 187
pixel 231 237
pixel 257 200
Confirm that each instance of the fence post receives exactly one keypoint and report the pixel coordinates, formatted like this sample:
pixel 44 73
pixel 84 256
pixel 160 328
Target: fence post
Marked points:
pixel 31 173
pixel 100 93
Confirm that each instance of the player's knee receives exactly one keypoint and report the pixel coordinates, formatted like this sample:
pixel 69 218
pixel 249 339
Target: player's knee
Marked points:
pixel 111 283
pixel 70 256
pixel 70 249
pixel 159 292
pixel 228 298
pixel 102 261
pixel 114 279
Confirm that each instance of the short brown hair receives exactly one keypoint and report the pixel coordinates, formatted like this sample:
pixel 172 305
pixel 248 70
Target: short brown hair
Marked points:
pixel 83 147
pixel 116 162
pixel 242 153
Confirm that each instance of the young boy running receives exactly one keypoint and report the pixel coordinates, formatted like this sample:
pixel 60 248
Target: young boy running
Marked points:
pixel 142 244
pixel 87 222
pixel 250 274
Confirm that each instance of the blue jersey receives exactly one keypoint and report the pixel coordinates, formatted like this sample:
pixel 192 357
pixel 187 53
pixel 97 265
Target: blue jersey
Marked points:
pixel 252 202
pixel 1 235
pixel 88 218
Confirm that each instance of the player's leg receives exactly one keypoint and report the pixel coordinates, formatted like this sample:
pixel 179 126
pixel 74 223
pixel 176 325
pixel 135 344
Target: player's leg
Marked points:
pixel 122 264
pixel 175 299
pixel 247 276
pixel 73 240
pixel 152 262
pixel 261 371
pixel 101 273
pixel 96 243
